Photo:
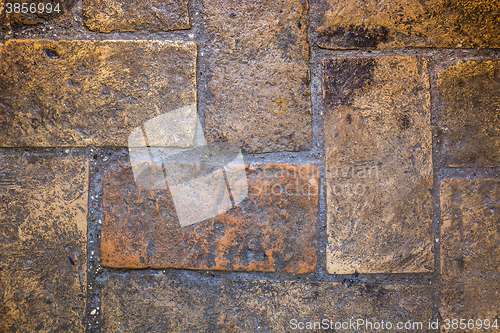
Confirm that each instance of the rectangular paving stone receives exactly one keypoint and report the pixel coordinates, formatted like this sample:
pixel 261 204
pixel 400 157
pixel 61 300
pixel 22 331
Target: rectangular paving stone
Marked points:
pixel 43 237
pixel 468 129
pixel 258 94
pixel 406 23
pixel 186 303
pixel 129 15
pixel 89 93
pixel 379 165
pixel 470 249
pixel 271 229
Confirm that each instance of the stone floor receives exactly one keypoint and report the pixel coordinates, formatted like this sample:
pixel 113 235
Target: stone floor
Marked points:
pixel 250 166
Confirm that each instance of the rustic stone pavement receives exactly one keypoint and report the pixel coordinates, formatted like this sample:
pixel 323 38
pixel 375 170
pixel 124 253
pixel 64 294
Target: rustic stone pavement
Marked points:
pixel 250 166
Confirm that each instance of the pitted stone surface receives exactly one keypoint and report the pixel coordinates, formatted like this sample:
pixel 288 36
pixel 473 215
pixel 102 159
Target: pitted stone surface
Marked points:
pixel 130 15
pixel 470 246
pixel 468 130
pixel 89 93
pixel 258 94
pixel 43 242
pixel 379 165
pixel 271 230
pixel 188 303
pixel 402 23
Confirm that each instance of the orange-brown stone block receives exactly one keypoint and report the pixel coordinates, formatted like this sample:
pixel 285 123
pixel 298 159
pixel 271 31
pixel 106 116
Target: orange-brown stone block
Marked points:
pixel 258 94
pixel 470 249
pixel 43 242
pixel 89 93
pixel 130 15
pixel 169 302
pixel 468 130
pixel 401 23
pixel 379 165
pixel 271 230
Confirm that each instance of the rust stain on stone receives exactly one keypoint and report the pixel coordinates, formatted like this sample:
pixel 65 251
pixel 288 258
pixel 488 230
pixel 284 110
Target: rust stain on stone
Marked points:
pixel 271 230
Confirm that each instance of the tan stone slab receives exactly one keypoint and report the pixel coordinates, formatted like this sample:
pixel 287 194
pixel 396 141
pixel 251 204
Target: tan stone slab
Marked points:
pixel 130 15
pixel 270 229
pixel 90 93
pixel 379 165
pixel 402 23
pixel 186 303
pixel 470 246
pixel 258 94
pixel 43 242
pixel 469 127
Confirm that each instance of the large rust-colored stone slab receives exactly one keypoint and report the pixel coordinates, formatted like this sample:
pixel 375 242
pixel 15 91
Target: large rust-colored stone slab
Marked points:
pixel 43 236
pixel 79 93
pixel 379 165
pixel 469 125
pixel 185 303
pixel 402 23
pixel 258 94
pixel 470 249
pixel 129 15
pixel 270 230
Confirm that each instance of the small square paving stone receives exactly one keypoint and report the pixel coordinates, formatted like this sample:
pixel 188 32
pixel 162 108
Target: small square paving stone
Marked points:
pixel 271 230
pixel 180 302
pixel 258 94
pixel 89 93
pixel 347 24
pixel 379 165
pixel 43 238
pixel 130 15
pixel 469 125
pixel 470 249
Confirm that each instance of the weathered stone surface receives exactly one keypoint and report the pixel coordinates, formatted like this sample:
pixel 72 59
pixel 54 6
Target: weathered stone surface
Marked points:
pixel 74 93
pixel 258 93
pixel 270 230
pixel 36 11
pixel 184 303
pixel 470 247
pixel 379 165
pixel 401 23
pixel 43 234
pixel 469 127
pixel 129 15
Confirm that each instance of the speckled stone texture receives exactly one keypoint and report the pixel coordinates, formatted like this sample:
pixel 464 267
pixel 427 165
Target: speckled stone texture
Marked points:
pixel 38 16
pixel 470 248
pixel 43 223
pixel 350 24
pixel 169 303
pixel 379 165
pixel 258 93
pixel 468 129
pixel 130 15
pixel 270 231
pixel 89 93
